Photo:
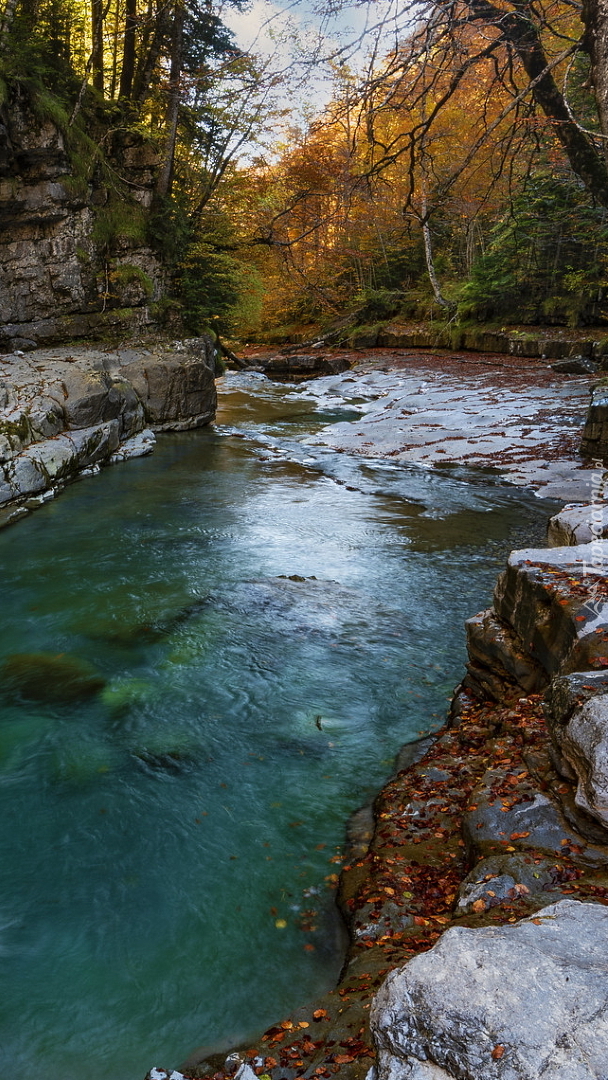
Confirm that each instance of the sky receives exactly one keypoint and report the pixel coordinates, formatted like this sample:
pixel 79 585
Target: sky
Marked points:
pixel 291 34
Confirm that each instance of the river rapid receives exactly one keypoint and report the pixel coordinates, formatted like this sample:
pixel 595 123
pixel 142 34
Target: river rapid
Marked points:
pixel 270 619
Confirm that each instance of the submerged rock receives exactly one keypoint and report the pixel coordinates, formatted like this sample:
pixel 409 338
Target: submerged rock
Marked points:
pixel 49 678
pixel 510 1002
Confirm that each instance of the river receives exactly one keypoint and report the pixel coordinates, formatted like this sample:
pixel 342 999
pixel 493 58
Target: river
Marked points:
pixel 268 625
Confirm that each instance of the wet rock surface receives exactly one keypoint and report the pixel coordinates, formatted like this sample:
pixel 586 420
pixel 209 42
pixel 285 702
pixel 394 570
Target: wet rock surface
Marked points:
pixel 303 365
pixel 68 410
pixel 453 1012
pixel 441 409
pixel 550 617
pixel 595 434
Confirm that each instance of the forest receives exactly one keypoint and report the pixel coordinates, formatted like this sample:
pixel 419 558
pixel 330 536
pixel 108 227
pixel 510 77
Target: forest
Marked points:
pixel 456 174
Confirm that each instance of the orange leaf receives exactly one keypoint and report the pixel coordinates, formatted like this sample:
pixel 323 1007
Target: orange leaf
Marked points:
pixel 518 835
pixel 479 906
pixel 498 1052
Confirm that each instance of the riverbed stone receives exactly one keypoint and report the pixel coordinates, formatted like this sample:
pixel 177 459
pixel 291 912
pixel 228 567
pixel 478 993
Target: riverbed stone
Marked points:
pixel 49 677
pixel 506 1002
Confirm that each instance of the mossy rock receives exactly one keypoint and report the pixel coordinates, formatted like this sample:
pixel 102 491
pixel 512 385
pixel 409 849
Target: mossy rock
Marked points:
pixel 120 697
pixel 49 677
pixel 167 749
pixel 78 766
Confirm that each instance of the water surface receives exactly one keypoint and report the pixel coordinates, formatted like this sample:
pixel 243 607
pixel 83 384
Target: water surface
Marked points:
pixel 271 623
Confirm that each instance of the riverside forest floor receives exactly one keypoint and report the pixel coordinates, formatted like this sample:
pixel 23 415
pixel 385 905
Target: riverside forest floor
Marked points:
pixel 399 888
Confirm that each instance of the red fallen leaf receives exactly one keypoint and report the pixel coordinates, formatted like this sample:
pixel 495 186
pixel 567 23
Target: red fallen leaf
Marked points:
pixel 498 1052
pixel 343 1059
pixel 579 618
pixel 419 921
pixel 270 1063
pixel 518 835
pixel 309 948
pixel 319 1014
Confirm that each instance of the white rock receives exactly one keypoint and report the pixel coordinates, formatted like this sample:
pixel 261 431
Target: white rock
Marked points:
pixel 501 1003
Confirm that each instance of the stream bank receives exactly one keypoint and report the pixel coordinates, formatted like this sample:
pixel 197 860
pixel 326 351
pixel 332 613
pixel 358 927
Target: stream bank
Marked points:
pixel 503 814
pixel 497 818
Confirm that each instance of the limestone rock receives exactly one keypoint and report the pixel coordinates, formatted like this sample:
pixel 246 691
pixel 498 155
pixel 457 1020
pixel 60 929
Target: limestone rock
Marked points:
pixel 595 433
pixel 564 695
pixel 497 659
pixel 503 878
pixel 303 366
pixel 584 745
pixel 577 524
pixel 501 1003
pixel 544 596
pixel 69 410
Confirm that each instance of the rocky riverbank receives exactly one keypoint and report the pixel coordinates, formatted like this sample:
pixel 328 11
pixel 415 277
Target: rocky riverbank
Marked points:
pixel 67 411
pixel 484 869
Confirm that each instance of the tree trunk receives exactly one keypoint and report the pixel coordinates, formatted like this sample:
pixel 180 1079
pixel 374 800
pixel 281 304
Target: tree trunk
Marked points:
pixel 97 49
pixel 127 72
pixel 163 182
pixel 6 21
pixel 149 57
pixel 595 17
pixel 523 35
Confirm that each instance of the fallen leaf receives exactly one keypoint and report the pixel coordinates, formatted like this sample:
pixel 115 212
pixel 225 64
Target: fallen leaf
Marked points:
pixel 498 1052
pixel 280 924
pixel 479 906
pixel 518 835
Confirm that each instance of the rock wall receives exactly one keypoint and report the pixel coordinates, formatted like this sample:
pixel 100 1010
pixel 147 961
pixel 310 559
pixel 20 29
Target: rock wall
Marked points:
pixel 518 1001
pixel 59 278
pixel 595 433
pixel 65 412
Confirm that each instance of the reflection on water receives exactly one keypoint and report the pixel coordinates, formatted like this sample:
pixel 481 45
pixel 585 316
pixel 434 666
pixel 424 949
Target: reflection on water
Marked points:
pixel 208 660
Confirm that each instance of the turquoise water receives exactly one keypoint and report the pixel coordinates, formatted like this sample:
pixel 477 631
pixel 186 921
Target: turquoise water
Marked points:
pixel 268 625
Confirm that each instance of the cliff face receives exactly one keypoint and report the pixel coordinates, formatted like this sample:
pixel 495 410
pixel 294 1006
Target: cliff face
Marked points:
pixel 73 262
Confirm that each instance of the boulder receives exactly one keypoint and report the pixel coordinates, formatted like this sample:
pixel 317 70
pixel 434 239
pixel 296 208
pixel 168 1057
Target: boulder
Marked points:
pixel 577 523
pixel 583 746
pixel 575 365
pixel 501 1003
pixel 550 617
pixel 303 366
pixel 544 595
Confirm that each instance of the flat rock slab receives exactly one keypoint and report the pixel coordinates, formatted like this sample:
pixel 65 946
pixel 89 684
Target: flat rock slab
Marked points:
pixel 511 1002
pixel 516 416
